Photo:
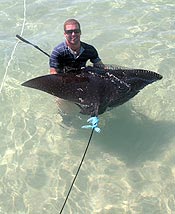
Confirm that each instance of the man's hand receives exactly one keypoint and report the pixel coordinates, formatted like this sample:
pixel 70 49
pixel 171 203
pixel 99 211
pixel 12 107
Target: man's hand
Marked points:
pixel 53 71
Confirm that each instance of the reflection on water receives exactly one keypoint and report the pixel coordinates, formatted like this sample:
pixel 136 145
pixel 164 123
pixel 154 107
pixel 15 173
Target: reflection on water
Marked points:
pixel 129 167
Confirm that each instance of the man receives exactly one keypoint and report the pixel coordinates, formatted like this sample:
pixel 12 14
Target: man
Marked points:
pixel 72 54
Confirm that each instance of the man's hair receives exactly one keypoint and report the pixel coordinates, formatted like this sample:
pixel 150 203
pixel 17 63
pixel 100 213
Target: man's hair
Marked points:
pixel 71 21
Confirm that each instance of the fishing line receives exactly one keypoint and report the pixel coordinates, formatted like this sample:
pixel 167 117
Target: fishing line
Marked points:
pixel 14 49
pixel 77 172
pixel 86 149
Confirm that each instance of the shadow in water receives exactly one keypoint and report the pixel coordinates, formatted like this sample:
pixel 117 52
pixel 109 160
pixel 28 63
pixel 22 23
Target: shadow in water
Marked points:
pixel 133 138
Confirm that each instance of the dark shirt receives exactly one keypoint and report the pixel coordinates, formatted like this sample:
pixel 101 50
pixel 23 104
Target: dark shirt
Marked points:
pixel 62 56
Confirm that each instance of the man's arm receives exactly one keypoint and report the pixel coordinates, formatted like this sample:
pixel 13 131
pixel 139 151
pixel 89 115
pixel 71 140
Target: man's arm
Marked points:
pixel 99 64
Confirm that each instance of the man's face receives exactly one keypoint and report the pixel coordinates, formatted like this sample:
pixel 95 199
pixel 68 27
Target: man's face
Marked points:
pixel 72 34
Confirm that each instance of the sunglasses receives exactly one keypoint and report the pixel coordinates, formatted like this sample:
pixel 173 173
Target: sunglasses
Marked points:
pixel 72 31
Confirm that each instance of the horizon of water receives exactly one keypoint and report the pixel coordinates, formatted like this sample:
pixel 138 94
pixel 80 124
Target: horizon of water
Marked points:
pixel 130 165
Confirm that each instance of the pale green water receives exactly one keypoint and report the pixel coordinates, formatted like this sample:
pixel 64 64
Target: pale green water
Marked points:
pixel 130 166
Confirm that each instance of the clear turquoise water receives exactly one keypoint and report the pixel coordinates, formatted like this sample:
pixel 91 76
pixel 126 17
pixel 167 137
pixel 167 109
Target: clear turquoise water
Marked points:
pixel 130 166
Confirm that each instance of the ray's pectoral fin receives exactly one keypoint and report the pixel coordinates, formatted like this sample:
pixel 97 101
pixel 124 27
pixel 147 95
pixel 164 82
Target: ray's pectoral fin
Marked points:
pixel 138 79
pixel 46 83
pixel 56 84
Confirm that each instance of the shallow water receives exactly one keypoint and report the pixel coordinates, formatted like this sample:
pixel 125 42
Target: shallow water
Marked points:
pixel 130 165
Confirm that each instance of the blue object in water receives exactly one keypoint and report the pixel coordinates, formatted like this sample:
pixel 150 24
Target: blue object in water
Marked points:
pixel 94 121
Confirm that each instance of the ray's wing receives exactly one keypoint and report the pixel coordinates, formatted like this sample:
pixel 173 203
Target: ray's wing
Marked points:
pixel 79 89
pixel 136 78
pixel 61 85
